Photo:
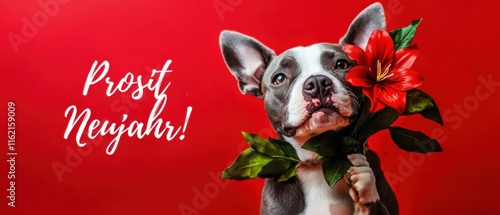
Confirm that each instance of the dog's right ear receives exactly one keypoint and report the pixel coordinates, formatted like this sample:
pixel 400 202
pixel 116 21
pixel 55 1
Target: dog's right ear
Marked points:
pixel 247 59
pixel 364 24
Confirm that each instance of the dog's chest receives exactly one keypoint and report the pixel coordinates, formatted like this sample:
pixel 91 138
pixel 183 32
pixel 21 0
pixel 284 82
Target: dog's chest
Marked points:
pixel 319 198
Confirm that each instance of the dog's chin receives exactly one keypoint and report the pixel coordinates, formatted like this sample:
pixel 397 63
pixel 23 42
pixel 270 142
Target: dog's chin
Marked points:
pixel 324 119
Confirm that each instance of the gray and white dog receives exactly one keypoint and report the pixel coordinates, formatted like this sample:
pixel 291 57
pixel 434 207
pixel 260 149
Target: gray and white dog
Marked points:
pixel 305 94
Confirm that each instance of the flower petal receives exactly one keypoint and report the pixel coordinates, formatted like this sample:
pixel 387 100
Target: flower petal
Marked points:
pixel 405 57
pixel 392 98
pixel 357 54
pixel 360 76
pixel 404 79
pixel 376 104
pixel 380 48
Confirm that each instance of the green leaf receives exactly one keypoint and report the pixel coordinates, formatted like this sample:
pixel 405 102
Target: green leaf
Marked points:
pixel 262 145
pixel 433 114
pixel 402 37
pixel 414 141
pixel 381 120
pixel 264 159
pixel 421 103
pixel 324 144
pixel 334 169
pixel 319 158
pixel 292 171
pixel 417 101
pixel 285 147
pixel 275 168
pixel 351 145
pixel 247 165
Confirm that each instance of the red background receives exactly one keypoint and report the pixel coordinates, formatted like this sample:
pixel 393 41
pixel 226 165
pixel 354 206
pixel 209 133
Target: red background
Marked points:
pixel 458 42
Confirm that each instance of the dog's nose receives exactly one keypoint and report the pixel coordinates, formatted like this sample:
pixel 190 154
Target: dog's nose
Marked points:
pixel 318 86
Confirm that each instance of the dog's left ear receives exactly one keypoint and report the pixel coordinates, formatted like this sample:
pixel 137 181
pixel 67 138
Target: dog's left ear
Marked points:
pixel 247 59
pixel 364 24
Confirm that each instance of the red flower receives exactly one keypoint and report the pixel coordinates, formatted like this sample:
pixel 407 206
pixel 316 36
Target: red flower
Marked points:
pixel 383 75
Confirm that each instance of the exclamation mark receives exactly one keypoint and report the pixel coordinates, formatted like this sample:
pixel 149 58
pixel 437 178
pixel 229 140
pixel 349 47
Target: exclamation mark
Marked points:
pixel 188 114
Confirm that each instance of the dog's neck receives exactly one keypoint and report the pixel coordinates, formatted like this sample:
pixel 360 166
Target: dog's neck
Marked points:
pixel 297 142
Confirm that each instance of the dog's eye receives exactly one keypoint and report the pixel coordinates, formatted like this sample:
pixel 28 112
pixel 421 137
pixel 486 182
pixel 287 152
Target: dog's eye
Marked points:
pixel 341 64
pixel 279 79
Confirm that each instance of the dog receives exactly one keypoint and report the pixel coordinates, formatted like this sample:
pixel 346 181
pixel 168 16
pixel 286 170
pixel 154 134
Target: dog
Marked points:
pixel 305 94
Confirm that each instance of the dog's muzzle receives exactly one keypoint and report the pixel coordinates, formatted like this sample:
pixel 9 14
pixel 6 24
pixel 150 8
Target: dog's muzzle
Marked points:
pixel 317 92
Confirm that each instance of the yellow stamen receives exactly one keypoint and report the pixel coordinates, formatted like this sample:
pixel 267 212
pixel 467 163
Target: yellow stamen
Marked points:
pixel 382 75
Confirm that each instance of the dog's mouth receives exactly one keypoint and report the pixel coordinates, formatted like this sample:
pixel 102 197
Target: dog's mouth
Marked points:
pixel 321 114
pixel 327 109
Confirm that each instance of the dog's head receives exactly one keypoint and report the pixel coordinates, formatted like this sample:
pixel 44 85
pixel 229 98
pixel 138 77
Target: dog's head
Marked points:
pixel 303 88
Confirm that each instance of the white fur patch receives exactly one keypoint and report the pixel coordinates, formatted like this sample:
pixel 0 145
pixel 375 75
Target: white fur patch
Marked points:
pixel 317 194
pixel 309 62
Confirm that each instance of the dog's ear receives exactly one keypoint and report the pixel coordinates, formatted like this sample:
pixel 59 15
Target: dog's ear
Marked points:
pixel 368 20
pixel 247 59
